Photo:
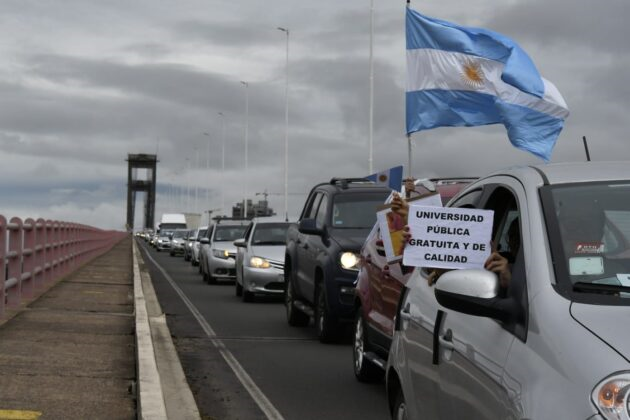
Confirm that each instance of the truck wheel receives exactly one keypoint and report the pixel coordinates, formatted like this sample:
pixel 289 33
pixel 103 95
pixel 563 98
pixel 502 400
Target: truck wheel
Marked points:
pixel 295 317
pixel 326 325
pixel 364 369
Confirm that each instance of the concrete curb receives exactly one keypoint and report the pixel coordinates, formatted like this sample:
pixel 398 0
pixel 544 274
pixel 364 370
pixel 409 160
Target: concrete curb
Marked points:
pixel 163 372
pixel 150 399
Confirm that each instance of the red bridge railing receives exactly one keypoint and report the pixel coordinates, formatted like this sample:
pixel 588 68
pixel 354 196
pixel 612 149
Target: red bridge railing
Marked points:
pixel 34 253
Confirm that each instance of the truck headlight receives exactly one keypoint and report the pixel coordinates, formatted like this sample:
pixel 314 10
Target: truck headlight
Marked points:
pixel 258 262
pixel 612 397
pixel 220 253
pixel 349 261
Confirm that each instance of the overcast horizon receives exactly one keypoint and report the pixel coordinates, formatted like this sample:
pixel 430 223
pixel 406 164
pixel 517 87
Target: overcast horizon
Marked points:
pixel 84 85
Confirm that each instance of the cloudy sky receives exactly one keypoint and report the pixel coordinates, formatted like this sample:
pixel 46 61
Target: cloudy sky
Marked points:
pixel 83 83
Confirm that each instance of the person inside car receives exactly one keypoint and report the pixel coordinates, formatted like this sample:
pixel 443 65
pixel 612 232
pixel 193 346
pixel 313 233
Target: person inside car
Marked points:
pixel 499 262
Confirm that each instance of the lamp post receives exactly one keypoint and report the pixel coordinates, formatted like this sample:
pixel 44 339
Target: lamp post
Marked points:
pixel 246 144
pixel 187 184
pixel 222 162
pixel 286 131
pixel 371 118
pixel 207 168
pixel 196 182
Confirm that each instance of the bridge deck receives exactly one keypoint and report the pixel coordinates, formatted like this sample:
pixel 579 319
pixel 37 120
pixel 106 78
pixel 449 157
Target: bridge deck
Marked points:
pixel 71 352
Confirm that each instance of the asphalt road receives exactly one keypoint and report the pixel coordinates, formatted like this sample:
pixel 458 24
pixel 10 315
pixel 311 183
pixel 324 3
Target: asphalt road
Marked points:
pixel 293 376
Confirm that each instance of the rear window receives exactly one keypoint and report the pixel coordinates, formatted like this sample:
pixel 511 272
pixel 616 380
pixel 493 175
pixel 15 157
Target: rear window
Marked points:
pixel 356 211
pixel 228 233
pixel 270 234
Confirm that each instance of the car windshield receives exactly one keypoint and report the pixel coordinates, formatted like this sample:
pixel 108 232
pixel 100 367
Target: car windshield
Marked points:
pixel 179 234
pixel 270 234
pixel 202 233
pixel 593 225
pixel 228 233
pixel 356 211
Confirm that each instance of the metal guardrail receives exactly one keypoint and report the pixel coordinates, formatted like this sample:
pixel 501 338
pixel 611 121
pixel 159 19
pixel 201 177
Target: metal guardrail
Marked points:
pixel 34 253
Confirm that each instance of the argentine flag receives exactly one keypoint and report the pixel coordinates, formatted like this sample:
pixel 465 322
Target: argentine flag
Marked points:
pixel 458 76
pixel 391 178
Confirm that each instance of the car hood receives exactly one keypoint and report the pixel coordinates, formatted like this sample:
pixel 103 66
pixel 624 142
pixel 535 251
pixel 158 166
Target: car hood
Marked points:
pixel 229 246
pixel 609 323
pixel 349 239
pixel 269 252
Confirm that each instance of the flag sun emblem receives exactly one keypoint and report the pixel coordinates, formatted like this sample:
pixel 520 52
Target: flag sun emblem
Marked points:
pixel 382 178
pixel 472 75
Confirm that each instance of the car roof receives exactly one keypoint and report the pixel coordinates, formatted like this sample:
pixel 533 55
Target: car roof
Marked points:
pixel 231 222
pixel 270 219
pixel 569 172
pixel 350 185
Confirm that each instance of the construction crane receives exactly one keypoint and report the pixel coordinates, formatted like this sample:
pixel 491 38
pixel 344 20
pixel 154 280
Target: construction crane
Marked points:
pixel 265 194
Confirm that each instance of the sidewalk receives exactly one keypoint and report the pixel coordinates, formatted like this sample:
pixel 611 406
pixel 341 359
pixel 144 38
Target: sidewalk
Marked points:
pixel 71 353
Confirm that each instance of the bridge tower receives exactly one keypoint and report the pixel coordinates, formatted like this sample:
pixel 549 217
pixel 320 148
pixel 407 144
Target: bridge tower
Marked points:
pixel 148 162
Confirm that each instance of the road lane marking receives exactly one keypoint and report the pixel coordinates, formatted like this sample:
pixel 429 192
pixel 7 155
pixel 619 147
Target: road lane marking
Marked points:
pixel 256 393
pixel 19 415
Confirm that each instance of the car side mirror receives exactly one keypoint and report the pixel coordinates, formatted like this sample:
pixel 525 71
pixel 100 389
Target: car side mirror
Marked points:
pixel 204 240
pixel 473 292
pixel 309 227
pixel 240 243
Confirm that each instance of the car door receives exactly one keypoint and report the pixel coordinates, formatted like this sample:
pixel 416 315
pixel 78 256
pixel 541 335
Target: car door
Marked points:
pixel 419 315
pixel 302 246
pixel 421 377
pixel 242 253
pixel 474 349
pixel 315 249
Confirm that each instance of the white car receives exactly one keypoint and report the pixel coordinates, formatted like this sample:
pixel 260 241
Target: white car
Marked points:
pixel 260 259
pixel 549 339
pixel 218 253
pixel 196 244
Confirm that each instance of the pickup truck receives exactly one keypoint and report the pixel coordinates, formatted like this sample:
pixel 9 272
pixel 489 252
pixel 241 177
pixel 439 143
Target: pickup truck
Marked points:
pixel 322 253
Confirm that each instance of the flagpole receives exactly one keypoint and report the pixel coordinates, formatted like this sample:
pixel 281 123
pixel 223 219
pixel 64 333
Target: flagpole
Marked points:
pixel 409 171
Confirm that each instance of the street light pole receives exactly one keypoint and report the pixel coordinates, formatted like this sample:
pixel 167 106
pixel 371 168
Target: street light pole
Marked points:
pixel 371 124
pixel 196 180
pixel 207 168
pixel 188 185
pixel 246 144
pixel 286 131
pixel 222 162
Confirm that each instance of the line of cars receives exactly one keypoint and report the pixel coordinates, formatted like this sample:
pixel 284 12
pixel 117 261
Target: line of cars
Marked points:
pixel 249 253
pixel 549 344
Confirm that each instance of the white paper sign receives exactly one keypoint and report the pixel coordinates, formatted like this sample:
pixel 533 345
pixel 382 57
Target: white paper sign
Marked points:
pixel 448 237
pixel 391 227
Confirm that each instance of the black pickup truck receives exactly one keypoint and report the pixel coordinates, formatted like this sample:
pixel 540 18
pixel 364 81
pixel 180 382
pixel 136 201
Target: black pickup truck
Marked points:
pixel 322 253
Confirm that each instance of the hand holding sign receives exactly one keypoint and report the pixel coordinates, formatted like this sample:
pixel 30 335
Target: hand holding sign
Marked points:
pixel 392 220
pixel 449 238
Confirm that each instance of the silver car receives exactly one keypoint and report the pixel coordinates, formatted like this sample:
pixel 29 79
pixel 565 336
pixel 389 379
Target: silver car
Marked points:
pixel 178 241
pixel 218 253
pixel 552 342
pixel 196 244
pixel 260 259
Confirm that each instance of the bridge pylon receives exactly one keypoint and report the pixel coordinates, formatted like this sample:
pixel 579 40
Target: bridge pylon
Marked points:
pixel 148 162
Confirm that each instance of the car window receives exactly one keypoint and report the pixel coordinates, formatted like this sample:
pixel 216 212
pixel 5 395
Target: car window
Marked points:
pixel 270 234
pixel 201 234
pixel 248 232
pixel 593 222
pixel 320 219
pixel 470 199
pixel 228 233
pixel 356 211
pixel 311 212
